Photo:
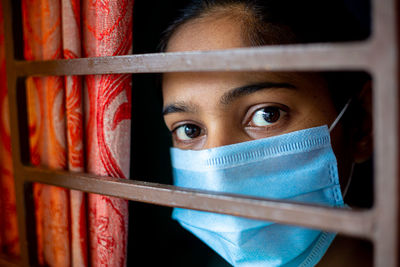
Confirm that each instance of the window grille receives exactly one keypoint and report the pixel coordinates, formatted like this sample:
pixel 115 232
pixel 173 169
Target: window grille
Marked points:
pixel 377 55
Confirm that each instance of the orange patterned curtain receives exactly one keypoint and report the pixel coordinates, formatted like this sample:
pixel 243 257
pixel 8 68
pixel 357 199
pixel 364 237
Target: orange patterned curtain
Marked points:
pixel 46 116
pixel 107 31
pixel 60 137
pixel 71 32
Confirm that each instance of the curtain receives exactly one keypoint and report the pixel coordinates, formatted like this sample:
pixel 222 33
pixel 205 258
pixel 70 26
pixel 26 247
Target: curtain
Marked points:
pixel 78 124
pixel 71 32
pixel 107 31
pixel 46 117
pixel 9 242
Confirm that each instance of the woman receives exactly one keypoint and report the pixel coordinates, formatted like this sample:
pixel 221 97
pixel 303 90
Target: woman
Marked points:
pixel 263 134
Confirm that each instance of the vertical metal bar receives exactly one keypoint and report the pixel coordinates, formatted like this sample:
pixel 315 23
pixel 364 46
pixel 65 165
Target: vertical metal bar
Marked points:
pixel 15 133
pixel 386 131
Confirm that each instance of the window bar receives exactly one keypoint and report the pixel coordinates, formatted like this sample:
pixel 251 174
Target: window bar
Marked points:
pixel 7 262
pixel 377 55
pixel 351 56
pixel 386 132
pixel 15 138
pixel 356 223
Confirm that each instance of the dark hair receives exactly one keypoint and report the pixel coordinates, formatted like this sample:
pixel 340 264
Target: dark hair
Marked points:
pixel 270 22
pixel 267 22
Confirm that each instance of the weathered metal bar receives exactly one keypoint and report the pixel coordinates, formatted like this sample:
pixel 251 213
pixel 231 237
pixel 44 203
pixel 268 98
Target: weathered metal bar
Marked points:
pixel 355 223
pixel 379 55
pixel 15 123
pixel 386 131
pixel 348 56
pixel 4 261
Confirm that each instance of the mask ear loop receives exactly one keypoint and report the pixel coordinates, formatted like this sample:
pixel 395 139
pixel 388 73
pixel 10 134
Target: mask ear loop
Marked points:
pixel 340 115
pixel 348 181
pixel 335 122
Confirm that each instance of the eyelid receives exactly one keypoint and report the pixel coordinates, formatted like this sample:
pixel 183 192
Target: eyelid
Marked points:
pixel 185 144
pixel 253 109
pixel 176 125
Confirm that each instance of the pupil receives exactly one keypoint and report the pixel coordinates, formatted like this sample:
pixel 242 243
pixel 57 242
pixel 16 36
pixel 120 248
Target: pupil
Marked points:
pixel 271 114
pixel 192 131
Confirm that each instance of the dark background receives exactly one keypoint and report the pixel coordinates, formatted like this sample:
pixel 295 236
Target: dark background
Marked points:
pixel 154 238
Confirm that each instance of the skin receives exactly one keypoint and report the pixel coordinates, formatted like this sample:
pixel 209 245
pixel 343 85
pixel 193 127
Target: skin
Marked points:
pixel 302 100
pixel 235 103
pixel 224 108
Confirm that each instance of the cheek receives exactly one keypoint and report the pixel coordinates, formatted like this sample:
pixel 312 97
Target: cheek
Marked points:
pixel 318 111
pixel 343 153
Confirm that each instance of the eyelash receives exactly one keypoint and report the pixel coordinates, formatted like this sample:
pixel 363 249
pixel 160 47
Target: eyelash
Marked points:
pixel 176 129
pixel 251 112
pixel 283 112
pixel 265 116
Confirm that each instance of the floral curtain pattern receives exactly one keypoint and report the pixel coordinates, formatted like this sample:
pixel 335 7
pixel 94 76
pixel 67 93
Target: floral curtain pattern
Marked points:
pixel 46 117
pixel 79 124
pixel 107 31
pixel 71 32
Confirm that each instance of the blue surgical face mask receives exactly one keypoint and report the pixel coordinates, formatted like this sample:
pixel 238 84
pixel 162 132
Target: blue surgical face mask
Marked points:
pixel 298 166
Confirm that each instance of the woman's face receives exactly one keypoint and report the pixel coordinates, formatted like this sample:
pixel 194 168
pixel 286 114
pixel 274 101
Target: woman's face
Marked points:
pixel 210 109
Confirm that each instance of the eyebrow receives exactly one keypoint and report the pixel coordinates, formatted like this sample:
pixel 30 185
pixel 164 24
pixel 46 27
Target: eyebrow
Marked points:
pixel 228 97
pixel 238 92
pixel 179 107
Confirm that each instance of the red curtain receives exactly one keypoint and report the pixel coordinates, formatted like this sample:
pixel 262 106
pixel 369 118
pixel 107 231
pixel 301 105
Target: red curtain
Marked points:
pixel 46 116
pixel 66 134
pixel 71 32
pixel 107 31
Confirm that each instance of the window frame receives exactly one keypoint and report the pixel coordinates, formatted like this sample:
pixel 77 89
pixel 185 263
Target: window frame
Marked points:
pixel 377 55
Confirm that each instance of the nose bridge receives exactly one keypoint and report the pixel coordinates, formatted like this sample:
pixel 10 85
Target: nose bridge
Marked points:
pixel 222 133
pixel 217 142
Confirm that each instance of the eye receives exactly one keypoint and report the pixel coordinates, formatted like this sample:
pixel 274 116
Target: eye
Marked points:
pixel 266 116
pixel 187 131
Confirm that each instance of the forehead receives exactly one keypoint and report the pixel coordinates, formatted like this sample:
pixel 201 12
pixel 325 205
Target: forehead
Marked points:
pixel 208 33
pixel 180 85
pixel 223 32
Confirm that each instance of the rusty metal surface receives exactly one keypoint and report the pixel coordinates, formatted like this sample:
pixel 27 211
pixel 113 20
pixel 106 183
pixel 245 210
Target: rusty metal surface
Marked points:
pixel 349 56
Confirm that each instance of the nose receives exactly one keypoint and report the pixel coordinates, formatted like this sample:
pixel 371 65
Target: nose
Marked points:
pixel 225 135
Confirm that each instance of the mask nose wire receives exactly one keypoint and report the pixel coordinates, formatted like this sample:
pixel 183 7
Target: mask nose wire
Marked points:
pixel 340 115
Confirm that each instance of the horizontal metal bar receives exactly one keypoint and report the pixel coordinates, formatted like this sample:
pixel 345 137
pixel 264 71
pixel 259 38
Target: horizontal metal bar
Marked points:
pixel 355 223
pixel 348 56
pixel 5 261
